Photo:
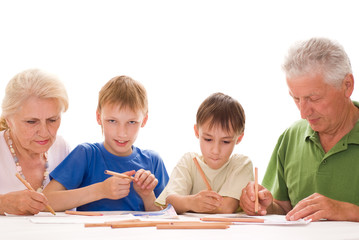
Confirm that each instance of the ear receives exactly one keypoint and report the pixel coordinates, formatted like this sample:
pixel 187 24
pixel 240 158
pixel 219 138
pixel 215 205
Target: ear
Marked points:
pixel 240 138
pixel 98 117
pixel 144 121
pixel 348 85
pixel 196 131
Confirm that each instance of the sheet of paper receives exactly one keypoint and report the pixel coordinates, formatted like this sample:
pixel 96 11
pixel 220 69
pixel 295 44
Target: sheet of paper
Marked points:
pixel 268 219
pixel 168 213
pixel 62 218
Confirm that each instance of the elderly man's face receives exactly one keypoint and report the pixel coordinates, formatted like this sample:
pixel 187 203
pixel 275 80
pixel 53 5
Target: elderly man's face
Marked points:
pixel 320 103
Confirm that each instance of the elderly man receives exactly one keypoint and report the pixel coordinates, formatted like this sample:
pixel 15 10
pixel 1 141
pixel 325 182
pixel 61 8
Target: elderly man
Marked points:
pixel 314 169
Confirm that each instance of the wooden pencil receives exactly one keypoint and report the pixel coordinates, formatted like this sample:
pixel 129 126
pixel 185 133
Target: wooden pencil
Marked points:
pixel 214 219
pixel 193 226
pixel 27 184
pixel 202 174
pixel 256 202
pixel 109 224
pixel 83 213
pixel 121 175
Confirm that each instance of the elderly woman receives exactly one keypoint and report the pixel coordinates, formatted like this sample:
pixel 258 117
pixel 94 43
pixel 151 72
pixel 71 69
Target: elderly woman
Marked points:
pixel 31 116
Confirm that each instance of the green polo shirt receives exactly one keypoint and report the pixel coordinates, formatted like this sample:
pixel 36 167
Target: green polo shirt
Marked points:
pixel 299 166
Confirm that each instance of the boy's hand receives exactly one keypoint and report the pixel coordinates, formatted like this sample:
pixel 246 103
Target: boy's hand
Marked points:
pixel 144 182
pixel 206 201
pixel 116 187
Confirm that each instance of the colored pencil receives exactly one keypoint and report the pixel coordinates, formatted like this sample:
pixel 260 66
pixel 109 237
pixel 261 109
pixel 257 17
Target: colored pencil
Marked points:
pixel 256 203
pixel 27 184
pixel 121 175
pixel 202 174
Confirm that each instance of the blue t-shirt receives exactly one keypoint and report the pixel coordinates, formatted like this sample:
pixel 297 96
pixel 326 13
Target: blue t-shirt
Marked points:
pixel 86 165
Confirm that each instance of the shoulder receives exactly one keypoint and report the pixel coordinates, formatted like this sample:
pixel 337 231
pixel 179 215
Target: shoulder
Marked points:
pixel 240 161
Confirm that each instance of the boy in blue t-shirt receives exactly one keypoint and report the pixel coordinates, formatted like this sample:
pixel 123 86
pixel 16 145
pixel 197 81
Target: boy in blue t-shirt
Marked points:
pixel 80 182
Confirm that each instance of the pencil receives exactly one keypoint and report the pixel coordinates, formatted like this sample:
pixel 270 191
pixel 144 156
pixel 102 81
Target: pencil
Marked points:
pixel 193 226
pixel 216 219
pixel 202 174
pixel 30 188
pixel 121 175
pixel 256 190
pixel 83 213
pixel 109 224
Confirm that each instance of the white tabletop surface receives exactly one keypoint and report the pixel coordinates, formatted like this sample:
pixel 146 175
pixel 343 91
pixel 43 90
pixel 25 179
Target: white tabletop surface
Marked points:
pixel 23 228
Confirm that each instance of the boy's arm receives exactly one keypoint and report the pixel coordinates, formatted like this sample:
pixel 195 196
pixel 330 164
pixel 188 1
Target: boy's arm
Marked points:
pixel 203 202
pixel 229 205
pixel 61 199
pixel 144 184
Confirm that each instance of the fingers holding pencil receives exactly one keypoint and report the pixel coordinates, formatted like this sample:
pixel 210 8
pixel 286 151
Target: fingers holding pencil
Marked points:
pixel 38 199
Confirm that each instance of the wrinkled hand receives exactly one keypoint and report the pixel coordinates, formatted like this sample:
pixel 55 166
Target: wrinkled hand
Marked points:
pixel 24 202
pixel 144 182
pixel 317 206
pixel 247 199
pixel 116 187
pixel 206 201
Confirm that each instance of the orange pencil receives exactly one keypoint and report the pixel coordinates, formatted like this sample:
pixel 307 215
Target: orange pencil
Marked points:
pixel 30 188
pixel 256 190
pixel 121 175
pixel 83 213
pixel 202 174
pixel 193 226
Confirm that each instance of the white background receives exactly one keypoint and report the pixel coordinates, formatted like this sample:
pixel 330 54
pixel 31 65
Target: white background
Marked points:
pixel 182 51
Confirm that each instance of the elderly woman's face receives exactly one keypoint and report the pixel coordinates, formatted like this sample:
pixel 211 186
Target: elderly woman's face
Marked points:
pixel 35 124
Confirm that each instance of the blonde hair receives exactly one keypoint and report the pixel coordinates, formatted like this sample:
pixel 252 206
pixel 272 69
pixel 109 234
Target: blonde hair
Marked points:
pixel 124 91
pixel 31 83
pixel 223 110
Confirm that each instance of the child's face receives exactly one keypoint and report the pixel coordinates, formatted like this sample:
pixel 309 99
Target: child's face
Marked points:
pixel 216 144
pixel 120 128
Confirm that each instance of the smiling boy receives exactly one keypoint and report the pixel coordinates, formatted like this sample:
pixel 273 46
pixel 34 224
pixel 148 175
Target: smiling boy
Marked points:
pixel 80 182
pixel 219 127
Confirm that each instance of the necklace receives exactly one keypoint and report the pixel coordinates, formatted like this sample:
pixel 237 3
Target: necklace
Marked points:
pixel 19 168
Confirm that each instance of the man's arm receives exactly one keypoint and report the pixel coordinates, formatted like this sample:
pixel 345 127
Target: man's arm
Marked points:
pixel 317 206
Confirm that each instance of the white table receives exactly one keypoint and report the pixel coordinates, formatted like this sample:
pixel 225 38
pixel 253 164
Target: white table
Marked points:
pixel 20 228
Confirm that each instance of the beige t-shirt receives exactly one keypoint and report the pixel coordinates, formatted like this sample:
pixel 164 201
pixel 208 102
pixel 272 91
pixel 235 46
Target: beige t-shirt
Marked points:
pixel 228 181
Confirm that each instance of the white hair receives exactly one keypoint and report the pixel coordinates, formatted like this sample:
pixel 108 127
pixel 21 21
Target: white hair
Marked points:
pixel 28 83
pixel 318 55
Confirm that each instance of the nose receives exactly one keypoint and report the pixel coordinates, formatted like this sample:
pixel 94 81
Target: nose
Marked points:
pixel 304 108
pixel 121 131
pixel 43 130
pixel 215 148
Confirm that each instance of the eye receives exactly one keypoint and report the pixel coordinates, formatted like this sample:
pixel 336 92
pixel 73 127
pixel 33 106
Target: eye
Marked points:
pixel 31 121
pixel 53 120
pixel 111 121
pixel 132 122
pixel 226 142
pixel 207 139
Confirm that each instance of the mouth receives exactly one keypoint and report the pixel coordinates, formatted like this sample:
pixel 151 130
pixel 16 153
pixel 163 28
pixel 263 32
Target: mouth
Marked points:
pixel 121 143
pixel 43 142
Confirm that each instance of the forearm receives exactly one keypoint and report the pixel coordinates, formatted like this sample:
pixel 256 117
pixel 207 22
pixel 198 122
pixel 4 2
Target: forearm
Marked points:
pixel 2 204
pixel 149 202
pixel 279 207
pixel 180 203
pixel 61 200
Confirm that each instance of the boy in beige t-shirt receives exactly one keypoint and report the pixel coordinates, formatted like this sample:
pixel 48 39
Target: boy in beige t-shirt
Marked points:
pixel 219 127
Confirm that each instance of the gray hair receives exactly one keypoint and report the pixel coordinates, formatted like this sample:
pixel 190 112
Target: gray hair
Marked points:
pixel 28 83
pixel 318 55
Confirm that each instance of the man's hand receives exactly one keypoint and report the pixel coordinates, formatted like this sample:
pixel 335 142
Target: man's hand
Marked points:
pixel 247 199
pixel 317 206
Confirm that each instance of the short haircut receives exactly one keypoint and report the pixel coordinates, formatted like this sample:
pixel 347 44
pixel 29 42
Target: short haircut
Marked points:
pixel 318 55
pixel 125 92
pixel 222 110
pixel 31 83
